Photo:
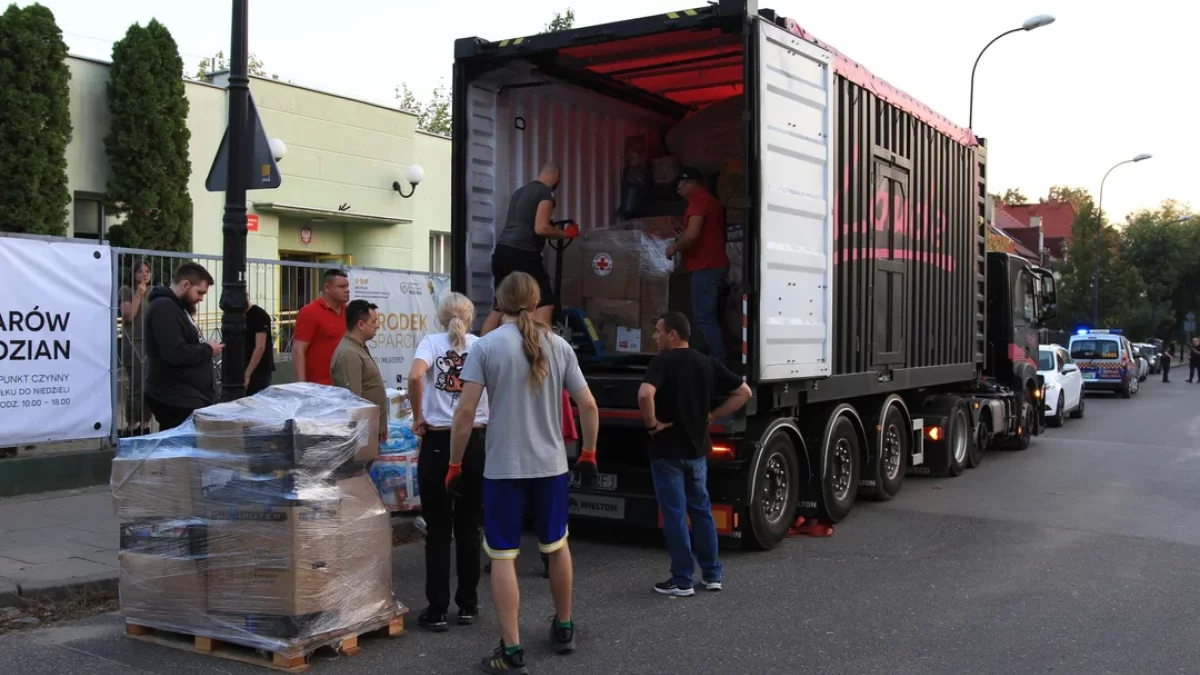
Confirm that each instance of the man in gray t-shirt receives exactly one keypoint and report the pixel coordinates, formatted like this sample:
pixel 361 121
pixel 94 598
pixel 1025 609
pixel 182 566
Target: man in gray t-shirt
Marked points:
pixel 526 463
pixel 520 241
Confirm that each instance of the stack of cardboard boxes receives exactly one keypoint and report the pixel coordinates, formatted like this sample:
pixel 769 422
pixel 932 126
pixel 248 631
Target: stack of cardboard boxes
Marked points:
pixel 620 277
pixel 255 522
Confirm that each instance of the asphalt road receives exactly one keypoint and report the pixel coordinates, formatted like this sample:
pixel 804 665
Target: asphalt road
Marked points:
pixel 1076 556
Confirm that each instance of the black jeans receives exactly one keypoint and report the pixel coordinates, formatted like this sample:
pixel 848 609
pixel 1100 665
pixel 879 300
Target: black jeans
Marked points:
pixel 168 416
pixel 444 515
pixel 1194 373
pixel 1166 369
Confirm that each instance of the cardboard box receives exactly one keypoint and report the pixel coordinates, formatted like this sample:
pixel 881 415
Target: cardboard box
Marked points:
pixel 248 436
pixel 649 324
pixel 329 551
pixel 655 295
pixel 612 265
pixel 156 486
pixel 659 226
pixel 618 322
pixel 163 591
pixel 572 258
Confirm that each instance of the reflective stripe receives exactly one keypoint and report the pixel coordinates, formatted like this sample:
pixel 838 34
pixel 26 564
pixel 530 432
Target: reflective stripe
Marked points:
pixel 518 41
pixel 504 43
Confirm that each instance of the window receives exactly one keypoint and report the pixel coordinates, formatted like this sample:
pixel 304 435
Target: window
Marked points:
pixel 439 253
pixel 1092 348
pixel 1046 360
pixel 89 218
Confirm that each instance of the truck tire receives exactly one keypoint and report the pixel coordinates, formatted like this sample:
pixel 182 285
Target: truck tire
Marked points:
pixel 1027 419
pixel 843 457
pixel 774 492
pixel 958 438
pixel 895 447
pixel 983 439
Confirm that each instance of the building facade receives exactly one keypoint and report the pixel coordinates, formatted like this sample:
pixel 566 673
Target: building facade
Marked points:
pixel 336 204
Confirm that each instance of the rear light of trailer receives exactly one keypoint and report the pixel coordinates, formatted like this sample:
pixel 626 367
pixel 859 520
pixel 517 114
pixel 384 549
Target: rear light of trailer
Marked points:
pixel 934 433
pixel 722 450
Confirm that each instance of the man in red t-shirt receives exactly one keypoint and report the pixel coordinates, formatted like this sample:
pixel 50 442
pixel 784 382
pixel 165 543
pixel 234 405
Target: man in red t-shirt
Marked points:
pixel 320 327
pixel 703 247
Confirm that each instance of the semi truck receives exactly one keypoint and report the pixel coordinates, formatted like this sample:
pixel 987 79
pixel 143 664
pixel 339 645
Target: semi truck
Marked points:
pixel 879 336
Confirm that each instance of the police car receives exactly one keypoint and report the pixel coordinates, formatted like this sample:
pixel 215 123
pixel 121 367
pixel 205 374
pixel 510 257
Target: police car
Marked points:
pixel 1106 361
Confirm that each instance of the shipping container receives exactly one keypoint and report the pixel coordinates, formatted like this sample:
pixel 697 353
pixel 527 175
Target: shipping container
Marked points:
pixel 861 273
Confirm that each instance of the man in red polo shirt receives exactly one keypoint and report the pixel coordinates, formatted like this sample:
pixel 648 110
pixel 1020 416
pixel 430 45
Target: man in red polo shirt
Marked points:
pixel 703 247
pixel 320 327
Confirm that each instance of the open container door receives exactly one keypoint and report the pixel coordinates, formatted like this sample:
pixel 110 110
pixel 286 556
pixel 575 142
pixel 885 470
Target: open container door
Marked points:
pixel 793 141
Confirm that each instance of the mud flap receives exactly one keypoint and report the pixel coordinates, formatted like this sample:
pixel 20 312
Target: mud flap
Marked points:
pixel 936 453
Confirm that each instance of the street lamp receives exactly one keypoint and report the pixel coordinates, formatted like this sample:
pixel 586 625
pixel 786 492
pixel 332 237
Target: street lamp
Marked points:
pixel 1099 229
pixel 1030 24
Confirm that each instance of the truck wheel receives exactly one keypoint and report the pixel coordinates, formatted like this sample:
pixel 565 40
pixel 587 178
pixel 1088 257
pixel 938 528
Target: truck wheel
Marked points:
pixel 895 441
pixel 1026 421
pixel 983 438
pixel 843 455
pixel 1057 420
pixel 774 493
pixel 958 438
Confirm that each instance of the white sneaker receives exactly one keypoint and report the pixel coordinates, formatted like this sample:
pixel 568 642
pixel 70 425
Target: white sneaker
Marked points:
pixel 712 585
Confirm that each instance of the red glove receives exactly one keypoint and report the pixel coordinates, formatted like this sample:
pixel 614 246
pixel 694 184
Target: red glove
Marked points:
pixel 454 479
pixel 571 231
pixel 586 464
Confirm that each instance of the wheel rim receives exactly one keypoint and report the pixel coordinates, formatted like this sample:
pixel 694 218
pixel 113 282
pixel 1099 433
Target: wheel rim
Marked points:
pixel 959 439
pixel 775 487
pixel 891 452
pixel 842 465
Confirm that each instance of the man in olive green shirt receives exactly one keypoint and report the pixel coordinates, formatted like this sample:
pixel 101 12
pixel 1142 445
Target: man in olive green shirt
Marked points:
pixel 353 368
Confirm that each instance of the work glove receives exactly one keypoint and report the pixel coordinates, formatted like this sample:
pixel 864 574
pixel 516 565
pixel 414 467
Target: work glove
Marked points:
pixel 586 464
pixel 454 480
pixel 571 230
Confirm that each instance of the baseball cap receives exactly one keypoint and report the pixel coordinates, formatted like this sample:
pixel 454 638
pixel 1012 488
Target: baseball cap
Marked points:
pixel 689 173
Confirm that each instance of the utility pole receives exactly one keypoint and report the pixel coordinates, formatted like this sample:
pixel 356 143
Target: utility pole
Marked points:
pixel 233 277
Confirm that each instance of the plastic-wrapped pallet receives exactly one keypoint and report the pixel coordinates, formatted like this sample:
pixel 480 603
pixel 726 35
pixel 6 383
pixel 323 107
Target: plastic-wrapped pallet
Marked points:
pixel 255 522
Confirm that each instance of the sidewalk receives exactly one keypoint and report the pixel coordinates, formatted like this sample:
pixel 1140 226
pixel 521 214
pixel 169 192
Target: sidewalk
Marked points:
pixel 56 541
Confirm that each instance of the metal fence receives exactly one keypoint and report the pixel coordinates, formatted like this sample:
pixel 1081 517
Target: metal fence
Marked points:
pixel 281 288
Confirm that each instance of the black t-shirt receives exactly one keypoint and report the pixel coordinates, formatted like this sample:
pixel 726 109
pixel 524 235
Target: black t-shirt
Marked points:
pixel 686 382
pixel 258 321
pixel 518 229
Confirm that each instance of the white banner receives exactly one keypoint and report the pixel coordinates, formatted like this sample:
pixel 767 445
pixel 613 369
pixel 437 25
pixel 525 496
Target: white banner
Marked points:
pixel 56 341
pixel 407 311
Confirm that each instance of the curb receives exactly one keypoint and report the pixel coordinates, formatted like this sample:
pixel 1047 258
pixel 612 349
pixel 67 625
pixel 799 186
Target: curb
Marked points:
pixel 10 594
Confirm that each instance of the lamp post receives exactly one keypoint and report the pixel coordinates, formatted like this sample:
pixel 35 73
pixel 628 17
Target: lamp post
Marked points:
pixel 1099 230
pixel 233 277
pixel 1030 24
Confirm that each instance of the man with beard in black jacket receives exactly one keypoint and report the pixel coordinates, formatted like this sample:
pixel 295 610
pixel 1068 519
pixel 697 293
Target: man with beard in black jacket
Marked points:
pixel 180 377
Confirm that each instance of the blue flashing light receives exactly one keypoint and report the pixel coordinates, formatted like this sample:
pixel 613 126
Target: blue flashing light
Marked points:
pixel 1081 331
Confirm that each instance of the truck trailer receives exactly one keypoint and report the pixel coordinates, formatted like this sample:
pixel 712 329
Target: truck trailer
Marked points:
pixel 879 337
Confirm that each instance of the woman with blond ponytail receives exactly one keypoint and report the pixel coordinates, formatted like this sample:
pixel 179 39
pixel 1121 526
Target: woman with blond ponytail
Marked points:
pixel 524 368
pixel 434 387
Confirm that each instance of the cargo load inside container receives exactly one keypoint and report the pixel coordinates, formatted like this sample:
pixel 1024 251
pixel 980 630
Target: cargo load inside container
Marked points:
pixel 853 222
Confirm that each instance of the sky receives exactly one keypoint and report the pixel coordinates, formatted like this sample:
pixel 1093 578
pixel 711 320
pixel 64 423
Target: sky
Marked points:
pixel 1059 105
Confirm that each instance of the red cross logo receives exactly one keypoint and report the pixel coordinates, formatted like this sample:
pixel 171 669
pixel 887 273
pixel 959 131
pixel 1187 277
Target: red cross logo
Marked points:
pixel 602 264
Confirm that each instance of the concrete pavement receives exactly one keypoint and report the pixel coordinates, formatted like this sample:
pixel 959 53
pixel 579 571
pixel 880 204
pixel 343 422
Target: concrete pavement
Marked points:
pixel 1075 556
pixel 55 541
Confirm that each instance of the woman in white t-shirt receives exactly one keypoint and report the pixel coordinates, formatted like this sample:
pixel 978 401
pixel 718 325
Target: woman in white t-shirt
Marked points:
pixel 434 385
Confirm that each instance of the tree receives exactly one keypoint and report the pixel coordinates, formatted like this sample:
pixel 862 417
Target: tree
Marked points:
pixel 561 21
pixel 1013 197
pixel 36 120
pixel 147 143
pixel 1061 193
pixel 1122 290
pixel 1161 248
pixel 218 63
pixel 436 115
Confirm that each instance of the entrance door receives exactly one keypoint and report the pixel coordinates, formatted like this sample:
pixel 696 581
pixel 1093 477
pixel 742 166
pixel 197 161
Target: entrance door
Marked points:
pixel 891 265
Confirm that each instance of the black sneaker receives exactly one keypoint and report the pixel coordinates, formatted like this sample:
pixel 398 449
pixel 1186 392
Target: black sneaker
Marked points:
pixel 466 615
pixel 433 622
pixel 503 663
pixel 669 587
pixel 712 585
pixel 563 639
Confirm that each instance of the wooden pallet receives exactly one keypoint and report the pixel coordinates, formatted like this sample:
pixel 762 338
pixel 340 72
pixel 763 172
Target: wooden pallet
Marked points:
pixel 294 660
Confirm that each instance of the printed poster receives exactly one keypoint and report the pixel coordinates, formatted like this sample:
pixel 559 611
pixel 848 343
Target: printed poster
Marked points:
pixel 407 312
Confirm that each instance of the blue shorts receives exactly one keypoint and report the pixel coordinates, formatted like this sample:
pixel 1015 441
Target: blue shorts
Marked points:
pixel 504 507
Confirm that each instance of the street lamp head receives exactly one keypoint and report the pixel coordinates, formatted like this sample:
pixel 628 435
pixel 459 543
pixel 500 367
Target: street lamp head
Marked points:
pixel 1143 156
pixel 1037 21
pixel 414 175
pixel 278 148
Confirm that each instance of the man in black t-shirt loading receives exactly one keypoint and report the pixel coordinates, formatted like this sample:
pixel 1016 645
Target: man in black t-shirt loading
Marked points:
pixel 675 399
pixel 520 242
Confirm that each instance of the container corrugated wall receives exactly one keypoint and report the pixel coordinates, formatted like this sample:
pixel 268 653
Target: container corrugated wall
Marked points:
pixel 907 273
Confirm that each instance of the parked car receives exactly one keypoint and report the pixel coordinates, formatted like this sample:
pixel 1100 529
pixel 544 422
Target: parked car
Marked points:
pixel 1106 361
pixel 1150 353
pixel 1063 392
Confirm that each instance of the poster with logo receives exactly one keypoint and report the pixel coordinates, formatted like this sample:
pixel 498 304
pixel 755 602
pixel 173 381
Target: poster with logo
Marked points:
pixel 56 342
pixel 407 312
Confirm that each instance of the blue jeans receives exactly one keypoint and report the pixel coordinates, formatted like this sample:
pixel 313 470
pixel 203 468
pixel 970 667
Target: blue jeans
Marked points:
pixel 682 489
pixel 706 294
